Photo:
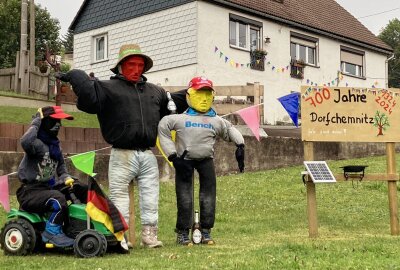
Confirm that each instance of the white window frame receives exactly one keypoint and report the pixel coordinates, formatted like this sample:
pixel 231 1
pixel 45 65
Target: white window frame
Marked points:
pixel 297 42
pixel 249 25
pixel 237 45
pixel 359 69
pixel 96 51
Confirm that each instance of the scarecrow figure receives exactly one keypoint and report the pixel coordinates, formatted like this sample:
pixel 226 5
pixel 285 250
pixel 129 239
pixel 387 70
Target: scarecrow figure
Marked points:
pixel 43 174
pixel 129 109
pixel 196 132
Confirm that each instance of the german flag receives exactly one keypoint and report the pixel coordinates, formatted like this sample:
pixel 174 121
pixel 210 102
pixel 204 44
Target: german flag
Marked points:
pixel 101 209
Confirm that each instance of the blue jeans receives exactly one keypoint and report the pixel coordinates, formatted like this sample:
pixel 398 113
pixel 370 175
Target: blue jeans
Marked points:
pixel 127 165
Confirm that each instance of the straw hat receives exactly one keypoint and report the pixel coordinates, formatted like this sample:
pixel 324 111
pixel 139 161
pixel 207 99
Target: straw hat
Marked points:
pixel 132 50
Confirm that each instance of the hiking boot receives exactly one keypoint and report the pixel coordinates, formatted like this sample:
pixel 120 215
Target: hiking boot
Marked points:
pixel 206 237
pixel 182 238
pixel 53 234
pixel 149 237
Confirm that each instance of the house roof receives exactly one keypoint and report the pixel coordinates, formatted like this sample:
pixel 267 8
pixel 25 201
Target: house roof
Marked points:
pixel 325 17
pixel 94 14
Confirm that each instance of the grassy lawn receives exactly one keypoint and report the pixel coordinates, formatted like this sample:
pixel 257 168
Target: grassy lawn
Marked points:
pixel 261 223
pixel 21 115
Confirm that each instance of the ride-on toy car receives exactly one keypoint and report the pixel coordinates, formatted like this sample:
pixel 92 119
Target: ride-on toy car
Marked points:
pixel 21 235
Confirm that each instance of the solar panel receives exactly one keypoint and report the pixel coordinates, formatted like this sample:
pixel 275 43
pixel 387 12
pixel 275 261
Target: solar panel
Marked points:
pixel 319 172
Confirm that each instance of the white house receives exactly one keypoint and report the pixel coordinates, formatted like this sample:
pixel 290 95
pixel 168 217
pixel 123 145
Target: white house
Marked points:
pixel 217 38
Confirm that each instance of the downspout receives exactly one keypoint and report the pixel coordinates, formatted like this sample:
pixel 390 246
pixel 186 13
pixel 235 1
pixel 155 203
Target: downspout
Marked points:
pixel 387 70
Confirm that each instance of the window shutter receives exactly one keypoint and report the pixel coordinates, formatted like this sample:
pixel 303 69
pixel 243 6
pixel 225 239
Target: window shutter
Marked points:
pixel 351 58
pixel 302 42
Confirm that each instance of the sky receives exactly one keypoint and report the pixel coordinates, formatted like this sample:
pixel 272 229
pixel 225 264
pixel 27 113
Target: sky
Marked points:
pixel 376 13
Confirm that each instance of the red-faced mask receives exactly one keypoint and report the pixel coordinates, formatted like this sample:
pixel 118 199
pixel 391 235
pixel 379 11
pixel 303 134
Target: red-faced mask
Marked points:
pixel 132 68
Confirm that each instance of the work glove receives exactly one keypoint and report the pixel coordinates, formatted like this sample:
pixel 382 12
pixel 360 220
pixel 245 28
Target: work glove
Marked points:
pixel 239 154
pixel 69 181
pixel 62 76
pixel 181 165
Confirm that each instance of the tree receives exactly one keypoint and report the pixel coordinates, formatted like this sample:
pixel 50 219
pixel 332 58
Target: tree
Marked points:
pixel 381 121
pixel 391 36
pixel 68 42
pixel 46 29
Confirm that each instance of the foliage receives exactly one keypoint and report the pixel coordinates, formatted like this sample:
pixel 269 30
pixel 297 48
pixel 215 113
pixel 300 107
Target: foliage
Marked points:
pixel 261 223
pixel 391 36
pixel 260 53
pixel 65 67
pixel 46 30
pixel 68 41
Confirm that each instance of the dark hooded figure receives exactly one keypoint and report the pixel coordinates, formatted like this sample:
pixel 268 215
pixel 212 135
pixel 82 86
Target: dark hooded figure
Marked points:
pixel 43 173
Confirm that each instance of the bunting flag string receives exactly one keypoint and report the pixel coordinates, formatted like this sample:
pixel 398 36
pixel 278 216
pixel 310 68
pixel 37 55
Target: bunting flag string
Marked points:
pixel 353 89
pixel 236 64
pixel 278 69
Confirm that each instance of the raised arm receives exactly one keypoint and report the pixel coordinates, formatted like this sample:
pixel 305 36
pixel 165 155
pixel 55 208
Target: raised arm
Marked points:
pixel 89 92
pixel 29 141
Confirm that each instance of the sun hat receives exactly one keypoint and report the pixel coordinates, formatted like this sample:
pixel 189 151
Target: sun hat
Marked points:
pixel 200 82
pixel 132 50
pixel 55 112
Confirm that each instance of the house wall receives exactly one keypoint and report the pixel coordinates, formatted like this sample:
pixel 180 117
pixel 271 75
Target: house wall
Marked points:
pixel 169 37
pixel 189 35
pixel 276 84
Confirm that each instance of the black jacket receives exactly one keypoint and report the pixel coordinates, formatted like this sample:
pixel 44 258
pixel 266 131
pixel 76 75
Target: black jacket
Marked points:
pixel 128 113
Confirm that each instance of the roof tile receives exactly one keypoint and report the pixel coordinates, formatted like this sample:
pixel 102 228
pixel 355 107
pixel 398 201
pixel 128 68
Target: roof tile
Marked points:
pixel 325 15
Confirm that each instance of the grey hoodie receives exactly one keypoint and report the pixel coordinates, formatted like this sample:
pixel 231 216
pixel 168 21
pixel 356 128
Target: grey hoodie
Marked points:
pixel 37 166
pixel 196 133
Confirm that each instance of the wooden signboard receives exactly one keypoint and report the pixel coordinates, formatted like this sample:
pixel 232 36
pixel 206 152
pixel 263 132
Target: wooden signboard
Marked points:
pixel 350 114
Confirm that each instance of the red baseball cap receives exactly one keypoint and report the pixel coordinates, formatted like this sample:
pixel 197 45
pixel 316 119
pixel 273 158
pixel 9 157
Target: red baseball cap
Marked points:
pixel 200 82
pixel 56 112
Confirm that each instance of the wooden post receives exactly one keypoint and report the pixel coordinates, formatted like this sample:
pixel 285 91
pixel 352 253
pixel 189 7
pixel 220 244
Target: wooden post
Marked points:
pixel 392 188
pixel 23 55
pixel 32 40
pixel 132 227
pixel 311 195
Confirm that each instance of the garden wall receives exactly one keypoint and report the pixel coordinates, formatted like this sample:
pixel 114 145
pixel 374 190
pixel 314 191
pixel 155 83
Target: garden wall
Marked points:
pixel 269 153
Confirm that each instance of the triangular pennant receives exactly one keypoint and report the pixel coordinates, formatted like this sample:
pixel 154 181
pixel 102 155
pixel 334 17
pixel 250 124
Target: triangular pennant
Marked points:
pixel 4 195
pixel 84 162
pixel 291 104
pixel 215 49
pixel 251 117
